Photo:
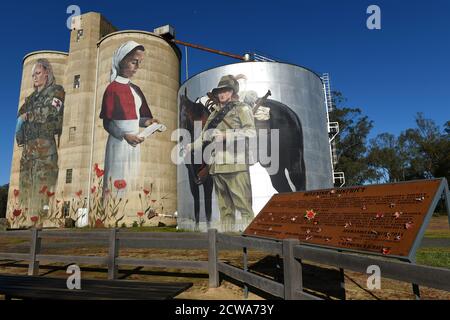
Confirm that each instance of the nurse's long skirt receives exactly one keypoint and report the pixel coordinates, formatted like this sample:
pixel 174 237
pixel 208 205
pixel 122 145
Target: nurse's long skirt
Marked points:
pixel 122 161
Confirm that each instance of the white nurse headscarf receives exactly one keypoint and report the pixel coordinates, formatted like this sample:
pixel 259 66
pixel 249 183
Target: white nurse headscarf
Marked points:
pixel 118 56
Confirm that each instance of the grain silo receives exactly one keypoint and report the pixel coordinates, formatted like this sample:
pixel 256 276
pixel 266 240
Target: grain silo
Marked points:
pixel 23 193
pixel 83 74
pixel 295 106
pixel 158 78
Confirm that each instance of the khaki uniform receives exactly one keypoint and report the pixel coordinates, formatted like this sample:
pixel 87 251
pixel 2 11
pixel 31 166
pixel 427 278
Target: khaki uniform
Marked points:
pixel 39 161
pixel 229 164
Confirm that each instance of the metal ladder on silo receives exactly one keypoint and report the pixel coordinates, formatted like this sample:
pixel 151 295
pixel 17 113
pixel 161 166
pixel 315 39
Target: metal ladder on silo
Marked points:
pixel 333 131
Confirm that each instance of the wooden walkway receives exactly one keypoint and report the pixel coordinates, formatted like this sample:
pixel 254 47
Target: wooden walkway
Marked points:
pixel 34 287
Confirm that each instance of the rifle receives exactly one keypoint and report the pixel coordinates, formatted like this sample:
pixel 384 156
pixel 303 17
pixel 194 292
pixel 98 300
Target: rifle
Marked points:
pixel 260 101
pixel 203 172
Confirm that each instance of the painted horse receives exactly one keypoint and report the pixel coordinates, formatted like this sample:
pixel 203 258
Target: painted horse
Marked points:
pixel 290 175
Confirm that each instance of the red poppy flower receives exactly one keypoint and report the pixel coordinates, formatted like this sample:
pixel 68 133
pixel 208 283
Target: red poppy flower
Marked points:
pixel 34 218
pixel 95 166
pixel 140 213
pixel 16 193
pixel 146 191
pixel 43 189
pixel 50 194
pixel 397 214
pixel 409 225
pixel 17 212
pixel 380 215
pixel 153 201
pixel 99 223
pixel 310 214
pixel 99 173
pixel 385 251
pixel 93 189
pixel 79 193
pixel 120 184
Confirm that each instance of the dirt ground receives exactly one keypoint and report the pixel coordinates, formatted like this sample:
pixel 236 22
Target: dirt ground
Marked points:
pixel 318 279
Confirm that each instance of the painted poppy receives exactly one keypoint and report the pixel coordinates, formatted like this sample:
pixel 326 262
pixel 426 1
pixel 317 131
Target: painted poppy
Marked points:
pixel 43 189
pixel 380 215
pixel 120 184
pixel 409 225
pixel 99 173
pixel 310 214
pixel 16 193
pixel 34 218
pixel 99 223
pixel 397 214
pixel 17 212
pixel 140 213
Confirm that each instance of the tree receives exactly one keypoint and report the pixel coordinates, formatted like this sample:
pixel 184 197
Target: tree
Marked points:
pixel 387 157
pixel 431 158
pixel 351 142
pixel 418 153
pixel 3 199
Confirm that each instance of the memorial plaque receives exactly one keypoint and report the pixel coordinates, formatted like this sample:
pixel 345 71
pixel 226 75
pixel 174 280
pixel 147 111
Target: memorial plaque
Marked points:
pixel 387 219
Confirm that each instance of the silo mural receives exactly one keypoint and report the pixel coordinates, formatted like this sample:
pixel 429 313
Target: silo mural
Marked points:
pixel 276 113
pixel 133 178
pixel 93 147
pixel 38 131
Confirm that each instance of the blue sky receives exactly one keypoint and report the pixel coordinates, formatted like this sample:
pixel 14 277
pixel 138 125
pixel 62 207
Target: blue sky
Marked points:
pixel 391 74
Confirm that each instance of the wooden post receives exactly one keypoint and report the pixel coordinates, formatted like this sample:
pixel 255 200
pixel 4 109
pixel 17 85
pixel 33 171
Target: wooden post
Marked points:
pixel 292 268
pixel 213 259
pixel 245 256
pixel 112 255
pixel 35 248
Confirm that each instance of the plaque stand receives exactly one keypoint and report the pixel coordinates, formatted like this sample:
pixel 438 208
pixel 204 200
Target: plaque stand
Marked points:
pixel 412 260
pixel 292 206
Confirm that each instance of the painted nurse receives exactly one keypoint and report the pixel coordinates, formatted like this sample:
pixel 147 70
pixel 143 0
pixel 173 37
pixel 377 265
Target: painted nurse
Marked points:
pixel 124 111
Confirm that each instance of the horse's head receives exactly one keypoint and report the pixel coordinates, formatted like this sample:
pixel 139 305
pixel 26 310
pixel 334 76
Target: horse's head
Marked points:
pixel 191 111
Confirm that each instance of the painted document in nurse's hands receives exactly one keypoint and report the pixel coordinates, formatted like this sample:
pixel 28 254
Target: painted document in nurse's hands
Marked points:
pixel 152 129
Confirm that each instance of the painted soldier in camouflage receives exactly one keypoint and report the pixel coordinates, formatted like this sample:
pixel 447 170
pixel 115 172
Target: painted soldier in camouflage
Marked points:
pixel 39 122
pixel 230 165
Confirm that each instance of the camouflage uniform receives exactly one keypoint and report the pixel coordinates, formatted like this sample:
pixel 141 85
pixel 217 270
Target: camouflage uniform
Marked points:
pixel 229 167
pixel 39 161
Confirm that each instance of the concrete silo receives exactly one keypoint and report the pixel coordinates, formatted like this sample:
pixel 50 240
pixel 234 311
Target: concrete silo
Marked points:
pixel 294 89
pixel 158 78
pixel 58 62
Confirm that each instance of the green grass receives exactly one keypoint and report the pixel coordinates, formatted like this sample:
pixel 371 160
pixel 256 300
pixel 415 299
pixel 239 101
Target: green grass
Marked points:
pixel 437 234
pixel 435 257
